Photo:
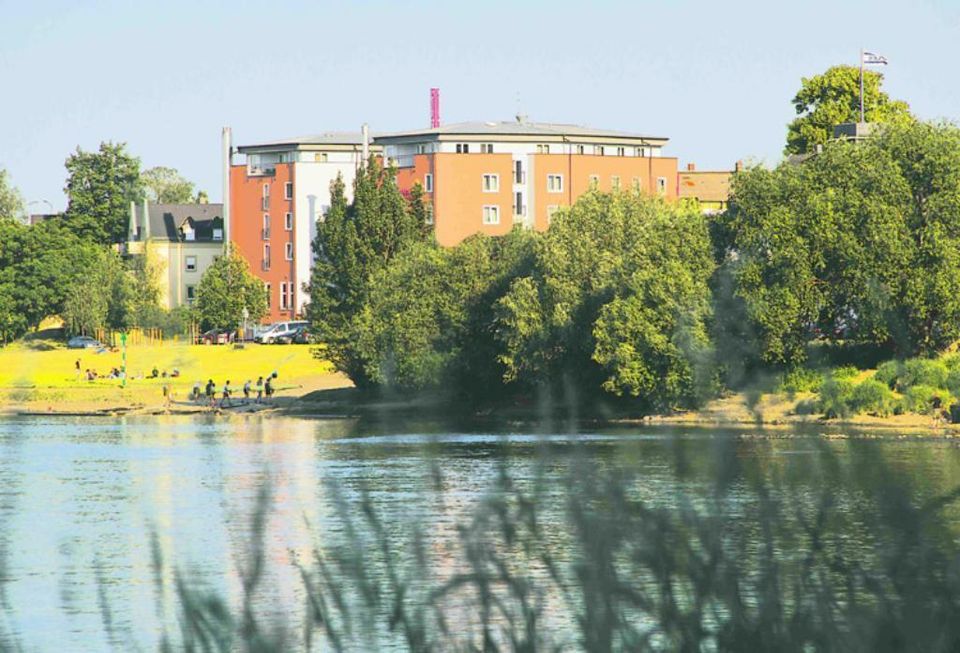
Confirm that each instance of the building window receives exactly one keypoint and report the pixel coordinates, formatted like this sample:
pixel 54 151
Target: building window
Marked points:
pixel 217 233
pixel 288 190
pixel 428 182
pixel 554 183
pixel 421 148
pixel 594 182
pixel 191 263
pixel 320 157
pixel 615 182
pixel 491 183
pixel 266 226
pixel 598 149
pixel 288 251
pixel 636 183
pixel 191 294
pixel 581 149
pixel 662 185
pixel 518 176
pixel 491 215
pixel 266 289
pixel 428 211
pixel 641 151
pixel 519 209
pixel 266 190
pixel 286 295
pixel 551 211
pixel 288 221
pixel 621 151
pixel 266 256
pixel 543 148
pixel 463 148
pixel 486 148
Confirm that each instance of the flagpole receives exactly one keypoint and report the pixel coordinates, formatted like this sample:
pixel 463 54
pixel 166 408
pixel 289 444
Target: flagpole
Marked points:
pixel 861 84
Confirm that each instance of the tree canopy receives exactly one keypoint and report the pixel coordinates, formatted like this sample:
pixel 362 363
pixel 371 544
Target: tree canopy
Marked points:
pixel 353 243
pixel 832 98
pixel 11 202
pixel 860 243
pixel 167 186
pixel 100 187
pixel 225 290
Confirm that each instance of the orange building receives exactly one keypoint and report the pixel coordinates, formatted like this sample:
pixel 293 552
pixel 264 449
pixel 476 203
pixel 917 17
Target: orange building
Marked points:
pixel 710 188
pixel 485 177
pixel 277 195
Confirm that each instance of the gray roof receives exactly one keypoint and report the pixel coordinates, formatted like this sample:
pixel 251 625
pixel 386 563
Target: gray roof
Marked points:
pixel 327 138
pixel 518 128
pixel 166 220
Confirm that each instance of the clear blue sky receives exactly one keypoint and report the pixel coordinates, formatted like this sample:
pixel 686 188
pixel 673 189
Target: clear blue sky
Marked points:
pixel 164 77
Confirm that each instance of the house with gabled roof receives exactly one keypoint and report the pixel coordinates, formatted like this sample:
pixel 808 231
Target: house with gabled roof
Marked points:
pixel 180 242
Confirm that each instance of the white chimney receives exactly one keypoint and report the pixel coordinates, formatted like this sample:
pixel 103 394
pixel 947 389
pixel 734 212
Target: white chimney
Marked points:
pixel 226 141
pixel 365 137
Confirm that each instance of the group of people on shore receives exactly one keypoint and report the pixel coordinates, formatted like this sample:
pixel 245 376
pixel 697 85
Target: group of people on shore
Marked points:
pixel 264 387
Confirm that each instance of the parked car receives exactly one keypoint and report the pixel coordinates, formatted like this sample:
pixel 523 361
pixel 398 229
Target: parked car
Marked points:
pixel 299 337
pixel 281 331
pixel 84 342
pixel 215 337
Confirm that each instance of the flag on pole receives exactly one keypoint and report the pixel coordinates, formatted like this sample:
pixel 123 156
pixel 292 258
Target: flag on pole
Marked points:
pixel 873 59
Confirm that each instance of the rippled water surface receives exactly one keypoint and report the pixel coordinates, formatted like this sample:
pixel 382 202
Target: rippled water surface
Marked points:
pixel 80 500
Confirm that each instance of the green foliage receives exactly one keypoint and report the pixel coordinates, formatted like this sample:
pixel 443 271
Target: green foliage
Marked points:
pixel 618 299
pixel 925 399
pixel 801 379
pixel 836 395
pixel 872 396
pixel 922 371
pixel 953 382
pixel 100 187
pixel 832 98
pixel 427 322
pixel 11 202
pixel 846 372
pixel 888 373
pixel 354 243
pixel 225 290
pixel 860 244
pixel 167 186
pixel 99 297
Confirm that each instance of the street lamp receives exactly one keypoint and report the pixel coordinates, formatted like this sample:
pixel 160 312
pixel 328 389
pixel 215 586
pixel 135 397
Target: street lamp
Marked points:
pixel 40 201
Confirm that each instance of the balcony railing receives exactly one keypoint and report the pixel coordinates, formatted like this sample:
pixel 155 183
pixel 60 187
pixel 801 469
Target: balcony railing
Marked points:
pixel 265 203
pixel 520 178
pixel 266 233
pixel 261 171
pixel 265 264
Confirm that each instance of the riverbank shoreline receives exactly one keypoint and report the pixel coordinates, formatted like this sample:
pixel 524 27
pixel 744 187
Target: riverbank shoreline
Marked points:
pixel 331 397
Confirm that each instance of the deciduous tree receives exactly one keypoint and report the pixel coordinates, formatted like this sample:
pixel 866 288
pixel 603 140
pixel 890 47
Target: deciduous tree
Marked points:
pixel 225 290
pixel 167 186
pixel 100 187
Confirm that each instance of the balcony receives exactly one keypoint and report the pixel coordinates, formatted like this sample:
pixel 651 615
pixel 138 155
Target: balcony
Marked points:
pixel 402 161
pixel 261 171
pixel 265 265
pixel 265 235
pixel 265 203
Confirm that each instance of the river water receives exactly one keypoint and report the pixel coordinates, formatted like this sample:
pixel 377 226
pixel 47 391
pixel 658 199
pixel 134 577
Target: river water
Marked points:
pixel 99 518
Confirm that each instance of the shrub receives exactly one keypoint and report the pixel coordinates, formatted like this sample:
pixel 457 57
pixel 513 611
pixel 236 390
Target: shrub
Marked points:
pixel 835 396
pixel 872 396
pixel 953 382
pixel 888 373
pixel 846 372
pixel 924 399
pixel 922 371
pixel 952 361
pixel 801 379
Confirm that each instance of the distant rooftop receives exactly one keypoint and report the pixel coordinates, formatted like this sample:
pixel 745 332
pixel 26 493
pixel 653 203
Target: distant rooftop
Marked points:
pixel 166 219
pixel 521 127
pixel 311 141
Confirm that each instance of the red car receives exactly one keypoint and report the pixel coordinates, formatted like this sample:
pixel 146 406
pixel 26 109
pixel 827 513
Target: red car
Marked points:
pixel 215 337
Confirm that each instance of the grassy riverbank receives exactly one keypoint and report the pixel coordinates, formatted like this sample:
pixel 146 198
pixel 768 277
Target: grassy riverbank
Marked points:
pixel 40 375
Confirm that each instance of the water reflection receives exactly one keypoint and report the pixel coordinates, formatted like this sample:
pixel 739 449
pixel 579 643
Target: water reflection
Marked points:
pixel 80 501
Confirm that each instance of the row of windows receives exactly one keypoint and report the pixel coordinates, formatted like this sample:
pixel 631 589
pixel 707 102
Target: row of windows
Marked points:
pixel 287 253
pixel 491 184
pixel 287 192
pixel 544 148
pixel 286 295
pixel 287 224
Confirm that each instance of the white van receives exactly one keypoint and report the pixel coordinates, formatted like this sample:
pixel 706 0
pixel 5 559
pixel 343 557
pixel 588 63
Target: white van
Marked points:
pixel 280 329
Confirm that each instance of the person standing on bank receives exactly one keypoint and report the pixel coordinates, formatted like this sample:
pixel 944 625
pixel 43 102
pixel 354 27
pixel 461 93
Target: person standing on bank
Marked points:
pixel 259 389
pixel 226 396
pixel 246 392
